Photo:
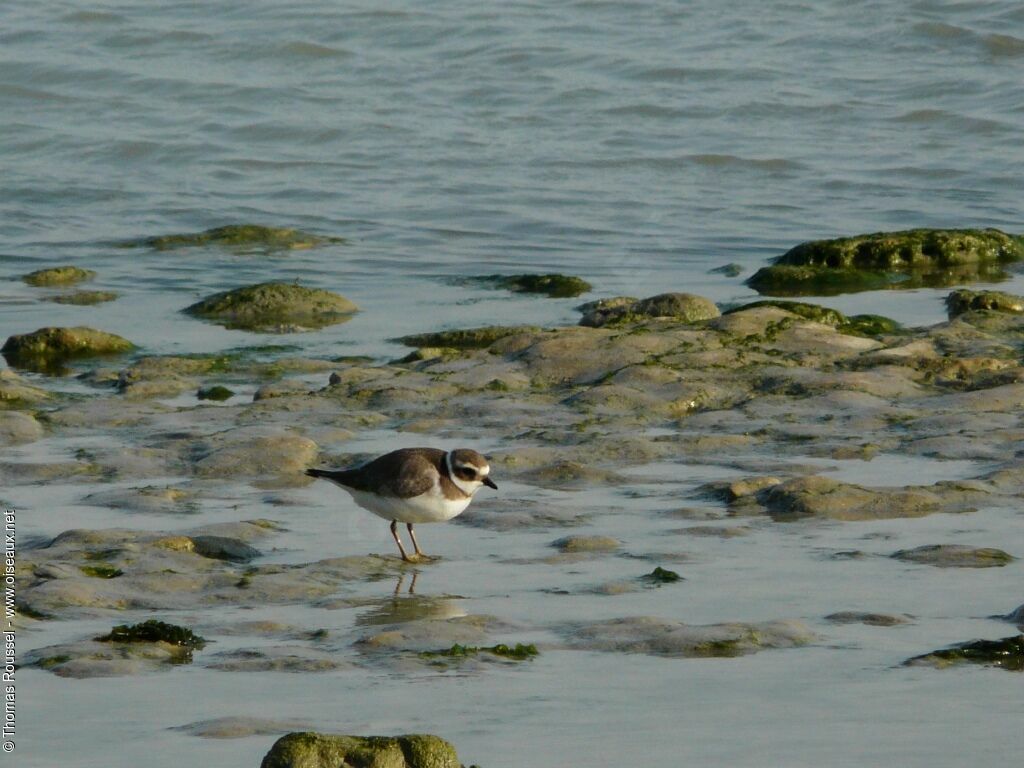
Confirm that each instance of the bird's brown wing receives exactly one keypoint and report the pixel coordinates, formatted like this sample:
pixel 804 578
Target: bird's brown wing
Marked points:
pixel 403 473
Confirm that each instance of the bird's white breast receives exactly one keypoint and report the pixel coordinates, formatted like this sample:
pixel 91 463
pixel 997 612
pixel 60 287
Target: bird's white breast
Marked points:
pixel 429 507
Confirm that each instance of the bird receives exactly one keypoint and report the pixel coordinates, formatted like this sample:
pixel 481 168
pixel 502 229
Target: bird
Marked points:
pixel 414 485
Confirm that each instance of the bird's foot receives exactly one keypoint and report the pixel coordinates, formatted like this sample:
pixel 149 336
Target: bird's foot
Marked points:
pixel 419 557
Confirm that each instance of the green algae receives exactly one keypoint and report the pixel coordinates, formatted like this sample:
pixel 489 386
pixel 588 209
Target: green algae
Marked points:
pixel 465 338
pixel 48 349
pixel 101 571
pixel 963 300
pixel 660 576
pixel 154 631
pixel 317 750
pixel 869 326
pixel 1007 653
pixel 554 285
pixel 83 298
pixel 813 312
pixel 49 662
pixel 217 393
pixel 907 259
pixel 518 652
pixel 239 238
pixel 66 275
pixel 274 307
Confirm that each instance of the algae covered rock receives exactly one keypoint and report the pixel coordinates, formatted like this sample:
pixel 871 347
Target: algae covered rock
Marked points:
pixel 465 338
pixel 965 300
pixel 48 348
pixel 58 276
pixel 153 631
pixel 239 237
pixel 274 307
pixel 1007 653
pixel 955 556
pixel 906 259
pixel 83 298
pixel 554 286
pixel 319 750
pixel 681 307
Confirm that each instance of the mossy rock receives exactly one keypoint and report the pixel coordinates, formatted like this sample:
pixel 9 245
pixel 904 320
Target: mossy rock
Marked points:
pixel 68 275
pixel 83 298
pixel 963 300
pixel 47 349
pixel 239 237
pixel 517 652
pixel 153 631
pixel 681 307
pixel 870 326
pixel 465 338
pixel 101 571
pixel 318 750
pixel 955 556
pixel 218 393
pixel 660 576
pixel 554 286
pixel 729 270
pixel 1007 653
pixel 907 259
pixel 813 312
pixel 274 307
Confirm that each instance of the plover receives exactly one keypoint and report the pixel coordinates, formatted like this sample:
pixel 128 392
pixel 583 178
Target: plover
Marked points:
pixel 414 485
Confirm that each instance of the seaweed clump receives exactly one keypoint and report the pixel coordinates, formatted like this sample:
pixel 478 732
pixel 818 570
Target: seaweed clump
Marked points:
pixel 154 631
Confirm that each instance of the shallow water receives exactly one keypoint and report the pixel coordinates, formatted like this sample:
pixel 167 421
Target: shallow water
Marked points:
pixel 637 147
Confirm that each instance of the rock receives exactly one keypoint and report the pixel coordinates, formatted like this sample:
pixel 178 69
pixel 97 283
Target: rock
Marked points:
pixel 466 338
pixel 243 453
pixel 819 496
pixel 554 286
pixel 239 237
pixel 587 544
pixel 318 750
pixel 15 392
pixel 18 428
pixel 813 312
pixel 907 259
pixel 568 475
pixel 729 270
pixel 599 313
pixel 1007 653
pixel 871 619
pixel 239 727
pixel 963 300
pixel 218 393
pixel 289 658
pixel 274 307
pixel 83 298
pixel 681 307
pixel 48 348
pixel 58 276
pixel 659 637
pixel 224 548
pixel 1016 616
pixel 660 576
pixel 955 556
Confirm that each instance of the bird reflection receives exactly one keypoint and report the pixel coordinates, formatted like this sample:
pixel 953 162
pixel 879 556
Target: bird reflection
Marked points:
pixel 405 605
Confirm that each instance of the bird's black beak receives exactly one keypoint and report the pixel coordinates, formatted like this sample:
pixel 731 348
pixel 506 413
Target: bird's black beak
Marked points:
pixel 490 483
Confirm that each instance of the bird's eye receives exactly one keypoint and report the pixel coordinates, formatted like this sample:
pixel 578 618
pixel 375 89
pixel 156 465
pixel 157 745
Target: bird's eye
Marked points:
pixel 466 473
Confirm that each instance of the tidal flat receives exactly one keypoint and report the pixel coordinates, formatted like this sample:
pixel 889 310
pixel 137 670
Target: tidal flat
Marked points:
pixel 697 511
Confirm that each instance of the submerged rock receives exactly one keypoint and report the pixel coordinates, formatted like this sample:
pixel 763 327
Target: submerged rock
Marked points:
pixel 58 276
pixel 47 349
pixel 466 338
pixel 824 497
pixel 274 307
pixel 17 428
pixel 239 727
pixel 239 237
pixel 659 637
pixel 15 392
pixel 907 259
pixel 871 619
pixel 83 298
pixel 955 556
pixel 319 750
pixel 1007 653
pixel 218 393
pixel 963 300
pixel 554 286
